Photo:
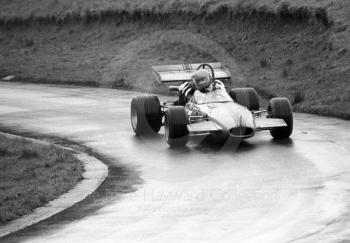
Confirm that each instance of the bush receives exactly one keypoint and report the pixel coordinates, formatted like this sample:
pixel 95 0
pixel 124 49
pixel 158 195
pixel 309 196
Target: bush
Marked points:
pixel 298 97
pixel 284 72
pixel 264 93
pixel 289 62
pixel 322 16
pixel 28 154
pixel 264 63
pixel 29 42
pixel 3 152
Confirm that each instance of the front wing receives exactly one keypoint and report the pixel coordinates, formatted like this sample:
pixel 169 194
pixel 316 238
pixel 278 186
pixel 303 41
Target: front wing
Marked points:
pixel 263 123
pixel 210 126
pixel 203 127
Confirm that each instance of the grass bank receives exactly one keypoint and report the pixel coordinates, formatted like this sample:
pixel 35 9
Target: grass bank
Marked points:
pixel 33 174
pixel 65 10
pixel 299 49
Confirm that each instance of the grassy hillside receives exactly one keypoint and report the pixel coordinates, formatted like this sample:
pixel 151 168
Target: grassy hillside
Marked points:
pixel 25 9
pixel 296 48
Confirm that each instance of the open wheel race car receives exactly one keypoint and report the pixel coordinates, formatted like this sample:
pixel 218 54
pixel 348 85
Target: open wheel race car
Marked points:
pixel 218 113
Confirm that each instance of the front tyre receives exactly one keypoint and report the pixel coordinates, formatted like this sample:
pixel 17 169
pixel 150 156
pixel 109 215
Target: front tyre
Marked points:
pixel 146 115
pixel 176 132
pixel 246 97
pixel 281 108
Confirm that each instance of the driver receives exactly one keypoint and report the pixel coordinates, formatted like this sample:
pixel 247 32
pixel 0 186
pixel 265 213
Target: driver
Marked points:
pixel 201 81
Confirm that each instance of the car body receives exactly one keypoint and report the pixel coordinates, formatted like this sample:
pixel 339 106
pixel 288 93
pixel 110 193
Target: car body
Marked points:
pixel 217 113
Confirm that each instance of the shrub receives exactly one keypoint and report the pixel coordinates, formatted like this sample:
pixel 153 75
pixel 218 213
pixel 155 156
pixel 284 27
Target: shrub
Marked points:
pixel 298 97
pixel 264 63
pixel 322 15
pixel 29 154
pixel 264 93
pixel 284 72
pixel 289 62
pixel 4 152
pixel 29 42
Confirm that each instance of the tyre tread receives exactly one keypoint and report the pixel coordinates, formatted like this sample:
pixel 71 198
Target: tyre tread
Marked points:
pixel 281 108
pixel 149 114
pixel 247 97
pixel 177 124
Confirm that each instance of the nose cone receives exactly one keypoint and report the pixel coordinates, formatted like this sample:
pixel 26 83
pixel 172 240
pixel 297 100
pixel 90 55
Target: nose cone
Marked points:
pixel 235 119
pixel 241 132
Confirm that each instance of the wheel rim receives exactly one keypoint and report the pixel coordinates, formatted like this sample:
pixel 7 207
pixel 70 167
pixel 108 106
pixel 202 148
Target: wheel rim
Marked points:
pixel 134 118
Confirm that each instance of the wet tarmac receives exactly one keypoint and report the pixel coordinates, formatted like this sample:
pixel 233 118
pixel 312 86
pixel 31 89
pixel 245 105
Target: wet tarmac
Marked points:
pixel 261 190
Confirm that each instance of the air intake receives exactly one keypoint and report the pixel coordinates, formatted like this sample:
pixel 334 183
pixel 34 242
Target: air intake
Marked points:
pixel 241 132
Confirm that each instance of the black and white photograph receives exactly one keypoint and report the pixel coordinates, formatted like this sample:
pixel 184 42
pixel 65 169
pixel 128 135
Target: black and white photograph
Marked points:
pixel 175 121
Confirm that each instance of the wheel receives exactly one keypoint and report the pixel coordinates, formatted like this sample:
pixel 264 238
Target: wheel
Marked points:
pixel 246 97
pixel 146 115
pixel 281 108
pixel 176 132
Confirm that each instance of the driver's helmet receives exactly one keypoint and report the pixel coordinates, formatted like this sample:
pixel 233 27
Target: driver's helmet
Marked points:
pixel 202 79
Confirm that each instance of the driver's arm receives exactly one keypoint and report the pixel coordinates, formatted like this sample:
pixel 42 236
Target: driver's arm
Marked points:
pixel 219 84
pixel 187 89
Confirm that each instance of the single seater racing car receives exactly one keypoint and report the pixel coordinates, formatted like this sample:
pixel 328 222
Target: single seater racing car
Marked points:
pixel 217 113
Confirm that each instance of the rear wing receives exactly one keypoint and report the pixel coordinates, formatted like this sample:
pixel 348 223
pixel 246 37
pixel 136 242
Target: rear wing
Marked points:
pixel 184 72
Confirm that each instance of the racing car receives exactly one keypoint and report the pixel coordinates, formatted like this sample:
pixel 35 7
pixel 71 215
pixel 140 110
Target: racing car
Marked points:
pixel 220 113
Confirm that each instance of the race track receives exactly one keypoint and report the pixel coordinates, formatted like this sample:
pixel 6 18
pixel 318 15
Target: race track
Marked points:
pixel 263 191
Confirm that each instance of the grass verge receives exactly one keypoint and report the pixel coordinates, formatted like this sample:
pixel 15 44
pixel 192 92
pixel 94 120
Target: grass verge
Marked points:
pixel 298 49
pixel 53 11
pixel 33 174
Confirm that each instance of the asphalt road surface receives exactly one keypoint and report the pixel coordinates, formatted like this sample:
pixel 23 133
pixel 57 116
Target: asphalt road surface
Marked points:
pixel 261 191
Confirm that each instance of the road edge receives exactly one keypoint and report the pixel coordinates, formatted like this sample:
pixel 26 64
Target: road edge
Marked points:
pixel 95 173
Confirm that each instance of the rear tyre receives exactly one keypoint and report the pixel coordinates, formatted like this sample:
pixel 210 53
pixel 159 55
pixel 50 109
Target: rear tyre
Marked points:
pixel 281 108
pixel 146 115
pixel 246 97
pixel 176 132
